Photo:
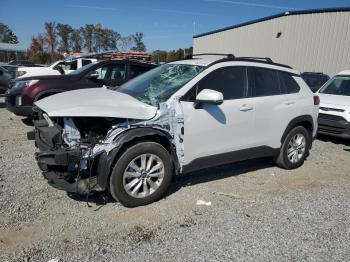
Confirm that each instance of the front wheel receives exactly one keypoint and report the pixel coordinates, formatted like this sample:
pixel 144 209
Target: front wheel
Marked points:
pixel 295 148
pixel 141 175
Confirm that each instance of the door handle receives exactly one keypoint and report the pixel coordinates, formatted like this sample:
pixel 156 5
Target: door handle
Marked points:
pixel 289 103
pixel 246 108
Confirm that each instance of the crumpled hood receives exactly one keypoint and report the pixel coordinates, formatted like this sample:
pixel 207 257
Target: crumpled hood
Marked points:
pixel 96 102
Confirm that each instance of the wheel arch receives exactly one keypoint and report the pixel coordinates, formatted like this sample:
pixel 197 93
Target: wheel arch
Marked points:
pixel 305 121
pixel 127 139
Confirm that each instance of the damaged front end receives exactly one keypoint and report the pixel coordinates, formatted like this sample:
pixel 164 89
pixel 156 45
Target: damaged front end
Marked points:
pixel 64 151
pixel 77 154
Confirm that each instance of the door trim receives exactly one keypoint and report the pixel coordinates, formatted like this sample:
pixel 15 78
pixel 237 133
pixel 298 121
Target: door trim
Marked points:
pixel 230 157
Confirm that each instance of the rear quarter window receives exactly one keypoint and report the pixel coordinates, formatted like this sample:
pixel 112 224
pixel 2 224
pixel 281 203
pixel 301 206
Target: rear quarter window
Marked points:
pixel 265 82
pixel 288 83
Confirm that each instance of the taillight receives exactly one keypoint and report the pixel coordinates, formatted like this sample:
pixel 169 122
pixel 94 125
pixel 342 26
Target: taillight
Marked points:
pixel 316 100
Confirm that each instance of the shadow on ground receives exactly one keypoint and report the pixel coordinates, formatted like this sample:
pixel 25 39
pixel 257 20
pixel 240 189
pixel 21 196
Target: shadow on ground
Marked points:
pixel 190 179
pixel 220 172
pixel 27 121
pixel 335 140
pixel 96 198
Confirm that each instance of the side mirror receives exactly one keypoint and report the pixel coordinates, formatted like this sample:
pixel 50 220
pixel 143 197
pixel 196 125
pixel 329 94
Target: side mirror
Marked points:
pixel 209 96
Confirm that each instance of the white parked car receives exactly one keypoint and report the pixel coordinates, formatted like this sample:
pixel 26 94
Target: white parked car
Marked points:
pixel 57 68
pixel 334 115
pixel 174 119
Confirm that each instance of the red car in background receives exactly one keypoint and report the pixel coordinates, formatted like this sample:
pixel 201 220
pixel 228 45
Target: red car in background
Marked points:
pixel 111 73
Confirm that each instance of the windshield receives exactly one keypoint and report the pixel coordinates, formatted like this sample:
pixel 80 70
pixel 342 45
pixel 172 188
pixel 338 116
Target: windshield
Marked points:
pixel 339 85
pixel 83 68
pixel 157 85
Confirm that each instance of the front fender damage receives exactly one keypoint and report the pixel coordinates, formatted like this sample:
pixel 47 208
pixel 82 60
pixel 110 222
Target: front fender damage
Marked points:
pixel 168 122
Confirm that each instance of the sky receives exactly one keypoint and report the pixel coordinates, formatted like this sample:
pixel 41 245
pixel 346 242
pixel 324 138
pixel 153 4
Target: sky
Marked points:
pixel 166 24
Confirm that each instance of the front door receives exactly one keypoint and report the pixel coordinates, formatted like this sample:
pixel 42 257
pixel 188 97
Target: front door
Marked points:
pixel 217 129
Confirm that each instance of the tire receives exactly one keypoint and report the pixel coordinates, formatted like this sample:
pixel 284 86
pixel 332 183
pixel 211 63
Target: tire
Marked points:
pixel 143 163
pixel 296 156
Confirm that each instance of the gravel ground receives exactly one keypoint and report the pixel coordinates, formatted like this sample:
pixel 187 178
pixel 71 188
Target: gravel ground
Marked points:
pixel 258 212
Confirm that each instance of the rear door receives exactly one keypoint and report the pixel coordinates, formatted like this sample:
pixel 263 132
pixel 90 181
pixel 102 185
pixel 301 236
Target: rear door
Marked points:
pixel 278 99
pixel 270 106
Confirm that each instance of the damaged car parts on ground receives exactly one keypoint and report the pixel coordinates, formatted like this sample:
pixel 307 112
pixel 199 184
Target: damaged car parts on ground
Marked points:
pixel 179 117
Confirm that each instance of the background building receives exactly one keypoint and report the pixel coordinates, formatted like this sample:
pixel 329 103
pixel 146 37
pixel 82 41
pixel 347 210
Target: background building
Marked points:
pixel 10 52
pixel 311 40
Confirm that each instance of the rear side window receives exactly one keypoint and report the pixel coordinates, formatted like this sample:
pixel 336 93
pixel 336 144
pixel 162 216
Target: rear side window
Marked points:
pixel 265 82
pixel 230 81
pixel 85 62
pixel 289 85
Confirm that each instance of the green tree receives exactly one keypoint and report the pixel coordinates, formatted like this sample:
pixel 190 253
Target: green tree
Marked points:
pixel 88 36
pixel 159 56
pixel 76 41
pixel 51 39
pixel 64 31
pixel 125 43
pixel 6 35
pixel 36 52
pixel 139 45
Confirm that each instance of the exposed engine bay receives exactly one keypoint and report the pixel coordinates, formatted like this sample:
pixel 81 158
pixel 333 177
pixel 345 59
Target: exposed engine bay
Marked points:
pixel 76 154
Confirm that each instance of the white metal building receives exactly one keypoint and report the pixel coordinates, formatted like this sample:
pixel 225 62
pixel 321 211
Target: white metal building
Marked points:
pixel 311 40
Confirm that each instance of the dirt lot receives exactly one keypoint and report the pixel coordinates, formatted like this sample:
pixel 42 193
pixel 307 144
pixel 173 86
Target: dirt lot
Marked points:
pixel 258 212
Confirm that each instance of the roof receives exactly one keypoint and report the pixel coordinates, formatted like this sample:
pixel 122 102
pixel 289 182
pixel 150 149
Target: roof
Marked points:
pixel 202 60
pixel 12 47
pixel 208 60
pixel 345 72
pixel 298 12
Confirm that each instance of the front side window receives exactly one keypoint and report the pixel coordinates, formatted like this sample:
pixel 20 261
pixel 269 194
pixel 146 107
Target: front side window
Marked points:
pixel 265 82
pixel 339 85
pixel 68 65
pixel 111 72
pixel 230 81
pixel 157 85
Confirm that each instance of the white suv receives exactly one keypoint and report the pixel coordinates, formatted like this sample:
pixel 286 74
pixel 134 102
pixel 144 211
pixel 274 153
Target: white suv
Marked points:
pixel 59 67
pixel 177 118
pixel 334 115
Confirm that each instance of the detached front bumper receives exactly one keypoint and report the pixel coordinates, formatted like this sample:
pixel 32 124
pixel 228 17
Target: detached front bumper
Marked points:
pixel 333 125
pixel 59 165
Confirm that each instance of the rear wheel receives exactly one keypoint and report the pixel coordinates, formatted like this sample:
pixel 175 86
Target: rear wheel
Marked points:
pixel 295 148
pixel 141 175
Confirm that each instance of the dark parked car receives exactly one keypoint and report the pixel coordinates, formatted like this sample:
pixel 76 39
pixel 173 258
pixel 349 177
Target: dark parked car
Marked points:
pixel 5 78
pixel 12 69
pixel 315 80
pixel 111 73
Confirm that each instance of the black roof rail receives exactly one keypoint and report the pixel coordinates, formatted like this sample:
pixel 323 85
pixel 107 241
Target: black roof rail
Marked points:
pixel 267 59
pixel 264 60
pixel 218 54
